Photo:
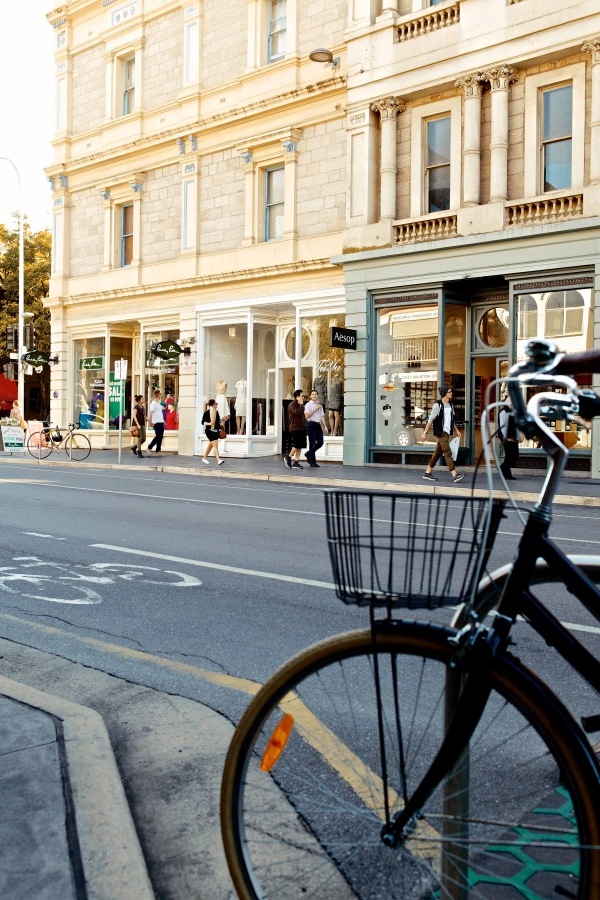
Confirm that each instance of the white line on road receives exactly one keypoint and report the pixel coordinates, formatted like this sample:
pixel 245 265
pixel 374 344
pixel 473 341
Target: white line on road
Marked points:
pixel 208 565
pixel 37 534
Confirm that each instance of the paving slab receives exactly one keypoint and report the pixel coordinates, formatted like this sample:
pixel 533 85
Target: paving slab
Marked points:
pixel 35 857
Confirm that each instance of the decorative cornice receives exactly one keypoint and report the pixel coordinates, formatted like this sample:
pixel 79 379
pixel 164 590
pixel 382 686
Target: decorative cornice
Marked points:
pixel 190 283
pixel 283 135
pixel 472 84
pixel 216 121
pixel 500 77
pixel 389 107
pixel 592 46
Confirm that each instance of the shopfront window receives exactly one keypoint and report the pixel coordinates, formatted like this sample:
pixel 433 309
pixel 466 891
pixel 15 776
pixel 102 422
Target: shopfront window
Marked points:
pixel 226 373
pixel 323 369
pixel 120 348
pixel 455 344
pixel 164 375
pixel 527 312
pixel 566 317
pixel 263 380
pixel 407 359
pixel 90 384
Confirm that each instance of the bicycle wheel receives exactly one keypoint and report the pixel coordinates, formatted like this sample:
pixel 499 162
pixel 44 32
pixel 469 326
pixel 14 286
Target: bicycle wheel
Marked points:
pixel 78 446
pixel 514 819
pixel 40 444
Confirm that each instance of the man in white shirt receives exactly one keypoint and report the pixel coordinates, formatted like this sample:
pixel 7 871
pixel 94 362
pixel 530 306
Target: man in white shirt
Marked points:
pixel 314 414
pixel 157 420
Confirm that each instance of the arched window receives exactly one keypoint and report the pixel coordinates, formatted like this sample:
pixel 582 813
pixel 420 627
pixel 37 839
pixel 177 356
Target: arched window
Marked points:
pixel 564 314
pixel 527 316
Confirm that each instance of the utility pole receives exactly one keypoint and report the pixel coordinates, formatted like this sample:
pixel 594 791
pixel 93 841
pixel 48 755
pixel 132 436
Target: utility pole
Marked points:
pixel 21 325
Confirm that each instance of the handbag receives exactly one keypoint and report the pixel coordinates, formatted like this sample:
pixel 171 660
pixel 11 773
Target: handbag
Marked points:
pixel 135 431
pixel 222 432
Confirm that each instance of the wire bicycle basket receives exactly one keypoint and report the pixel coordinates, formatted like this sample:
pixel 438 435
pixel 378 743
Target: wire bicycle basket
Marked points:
pixel 410 551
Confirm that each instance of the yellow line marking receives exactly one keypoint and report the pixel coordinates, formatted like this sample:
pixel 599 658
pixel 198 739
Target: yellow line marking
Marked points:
pixel 365 783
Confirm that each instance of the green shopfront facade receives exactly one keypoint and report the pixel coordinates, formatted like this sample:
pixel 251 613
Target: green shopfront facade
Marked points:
pixel 459 312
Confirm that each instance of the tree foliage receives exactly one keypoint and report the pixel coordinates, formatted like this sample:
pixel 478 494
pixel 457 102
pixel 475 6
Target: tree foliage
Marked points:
pixel 37 247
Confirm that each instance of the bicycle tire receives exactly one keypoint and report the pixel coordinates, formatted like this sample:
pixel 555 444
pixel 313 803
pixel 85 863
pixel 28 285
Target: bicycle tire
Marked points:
pixel 288 835
pixel 39 450
pixel 78 446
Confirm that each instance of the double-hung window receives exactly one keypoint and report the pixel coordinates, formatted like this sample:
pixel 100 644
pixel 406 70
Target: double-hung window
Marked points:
pixel 274 196
pixel 437 169
pixel 564 314
pixel 277 28
pixel 126 234
pixel 128 85
pixel 557 138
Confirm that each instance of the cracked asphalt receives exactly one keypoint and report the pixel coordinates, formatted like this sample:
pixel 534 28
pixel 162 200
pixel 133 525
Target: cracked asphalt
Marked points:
pixel 95 566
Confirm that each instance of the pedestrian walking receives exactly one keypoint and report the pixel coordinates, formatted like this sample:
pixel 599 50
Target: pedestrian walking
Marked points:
pixel 212 422
pixel 157 420
pixel 444 428
pixel 138 424
pixel 314 415
pixel 510 437
pixel 297 423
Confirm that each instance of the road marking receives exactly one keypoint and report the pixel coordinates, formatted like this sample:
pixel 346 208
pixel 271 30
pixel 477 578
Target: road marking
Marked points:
pixel 23 481
pixel 37 534
pixel 209 565
pixel 592 629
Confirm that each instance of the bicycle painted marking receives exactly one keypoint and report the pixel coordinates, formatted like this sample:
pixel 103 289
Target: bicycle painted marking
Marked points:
pixel 79 578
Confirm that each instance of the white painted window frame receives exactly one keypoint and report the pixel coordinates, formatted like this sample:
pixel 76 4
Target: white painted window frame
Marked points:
pixel 420 115
pixel 534 87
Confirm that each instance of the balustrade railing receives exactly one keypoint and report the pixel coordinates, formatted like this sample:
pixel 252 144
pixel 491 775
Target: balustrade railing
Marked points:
pixel 426 229
pixel 543 210
pixel 429 21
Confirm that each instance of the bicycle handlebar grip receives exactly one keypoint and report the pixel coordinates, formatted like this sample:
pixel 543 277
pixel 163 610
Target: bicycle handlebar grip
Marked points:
pixel 579 363
pixel 589 404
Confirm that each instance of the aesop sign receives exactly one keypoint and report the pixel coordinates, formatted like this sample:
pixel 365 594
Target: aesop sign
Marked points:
pixel 343 337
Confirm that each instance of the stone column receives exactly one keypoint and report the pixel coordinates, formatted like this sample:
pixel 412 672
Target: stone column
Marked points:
pixel 388 108
pixel 248 166
pixel 472 86
pixel 289 191
pixel 593 47
pixel 500 79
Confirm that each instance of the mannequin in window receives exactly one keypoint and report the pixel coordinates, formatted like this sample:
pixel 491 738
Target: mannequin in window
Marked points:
pixel 241 402
pixel 335 405
pixel 222 404
pixel 291 387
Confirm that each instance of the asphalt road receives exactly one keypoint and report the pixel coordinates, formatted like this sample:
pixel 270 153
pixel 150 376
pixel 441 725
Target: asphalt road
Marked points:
pixel 90 559
pixel 203 588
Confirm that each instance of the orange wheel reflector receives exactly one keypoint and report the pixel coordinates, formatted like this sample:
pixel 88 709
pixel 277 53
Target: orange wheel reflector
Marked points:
pixel 279 739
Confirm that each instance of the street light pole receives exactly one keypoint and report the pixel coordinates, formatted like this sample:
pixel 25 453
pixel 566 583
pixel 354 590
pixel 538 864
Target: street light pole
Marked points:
pixel 20 367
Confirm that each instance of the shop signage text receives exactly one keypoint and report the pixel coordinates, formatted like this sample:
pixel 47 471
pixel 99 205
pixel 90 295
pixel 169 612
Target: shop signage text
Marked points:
pixel 416 314
pixel 342 337
pixel 13 438
pixel 36 358
pixel 91 363
pixel 166 350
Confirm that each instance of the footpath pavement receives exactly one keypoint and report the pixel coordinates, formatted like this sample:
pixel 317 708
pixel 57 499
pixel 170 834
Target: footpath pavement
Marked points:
pixel 110 790
pixel 576 489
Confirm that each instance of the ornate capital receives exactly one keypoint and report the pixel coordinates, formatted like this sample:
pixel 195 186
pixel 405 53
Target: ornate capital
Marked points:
pixel 500 77
pixel 389 107
pixel 472 84
pixel 592 46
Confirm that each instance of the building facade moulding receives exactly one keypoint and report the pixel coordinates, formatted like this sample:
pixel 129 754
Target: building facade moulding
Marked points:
pixel 473 85
pixel 592 46
pixel 283 136
pixel 500 78
pixel 389 107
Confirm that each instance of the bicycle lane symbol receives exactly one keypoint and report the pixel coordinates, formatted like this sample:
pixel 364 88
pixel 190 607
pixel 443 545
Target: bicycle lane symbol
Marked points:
pixel 80 585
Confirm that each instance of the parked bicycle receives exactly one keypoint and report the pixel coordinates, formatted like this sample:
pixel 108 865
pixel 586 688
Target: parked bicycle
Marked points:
pixel 52 440
pixel 412 760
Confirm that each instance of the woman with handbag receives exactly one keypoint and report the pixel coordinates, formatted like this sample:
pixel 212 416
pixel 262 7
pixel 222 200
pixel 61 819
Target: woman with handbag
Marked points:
pixel 213 431
pixel 138 425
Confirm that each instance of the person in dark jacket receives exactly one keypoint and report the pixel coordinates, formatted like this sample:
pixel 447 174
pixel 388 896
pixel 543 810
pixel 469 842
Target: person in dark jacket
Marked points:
pixel 212 426
pixel 297 424
pixel 510 437
pixel 444 428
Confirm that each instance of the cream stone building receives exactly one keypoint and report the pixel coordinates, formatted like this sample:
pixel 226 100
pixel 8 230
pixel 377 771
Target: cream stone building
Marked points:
pixel 199 192
pixel 436 187
pixel 472 213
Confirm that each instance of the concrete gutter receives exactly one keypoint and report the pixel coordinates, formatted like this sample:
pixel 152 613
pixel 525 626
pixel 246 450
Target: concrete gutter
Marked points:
pixel 113 865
